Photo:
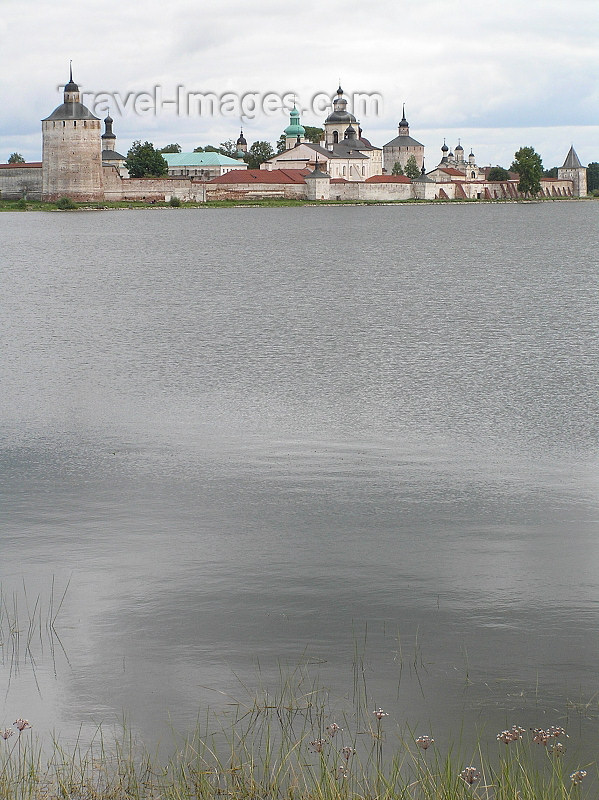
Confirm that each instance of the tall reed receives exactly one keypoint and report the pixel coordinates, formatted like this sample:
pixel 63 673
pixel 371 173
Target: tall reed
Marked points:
pixel 287 743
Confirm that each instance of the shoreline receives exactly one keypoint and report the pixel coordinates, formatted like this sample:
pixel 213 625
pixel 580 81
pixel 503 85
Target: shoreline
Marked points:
pixel 38 205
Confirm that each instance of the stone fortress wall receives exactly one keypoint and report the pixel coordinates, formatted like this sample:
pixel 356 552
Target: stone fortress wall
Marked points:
pixel 21 180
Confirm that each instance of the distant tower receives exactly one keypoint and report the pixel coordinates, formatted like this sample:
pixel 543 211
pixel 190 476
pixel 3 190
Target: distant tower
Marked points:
pixel 71 150
pixel 295 131
pixel 242 145
pixel 108 137
pixel 399 150
pixel 572 170
pixel 403 128
pixel 472 168
pixel 459 153
pixel 318 184
pixel 110 157
pixel 338 120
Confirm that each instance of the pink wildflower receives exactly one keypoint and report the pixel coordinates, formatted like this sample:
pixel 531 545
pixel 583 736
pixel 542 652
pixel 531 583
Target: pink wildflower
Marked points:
pixel 6 733
pixel 555 731
pixel 424 742
pixel 379 713
pixel 470 775
pixel 512 735
pixel 540 736
pixel 22 724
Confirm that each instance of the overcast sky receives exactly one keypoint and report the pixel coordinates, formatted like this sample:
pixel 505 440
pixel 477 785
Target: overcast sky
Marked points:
pixel 496 74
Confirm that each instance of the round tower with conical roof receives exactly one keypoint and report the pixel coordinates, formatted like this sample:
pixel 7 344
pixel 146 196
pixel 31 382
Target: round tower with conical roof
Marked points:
pixel 72 150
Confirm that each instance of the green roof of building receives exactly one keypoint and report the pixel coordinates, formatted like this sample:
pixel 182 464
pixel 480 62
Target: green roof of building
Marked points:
pixel 295 128
pixel 199 160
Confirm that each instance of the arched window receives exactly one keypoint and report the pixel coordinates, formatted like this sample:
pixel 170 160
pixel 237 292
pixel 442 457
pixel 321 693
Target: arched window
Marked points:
pixel 344 170
pixel 335 137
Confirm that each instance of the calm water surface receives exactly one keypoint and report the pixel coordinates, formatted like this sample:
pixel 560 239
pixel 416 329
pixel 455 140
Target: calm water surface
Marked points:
pixel 253 437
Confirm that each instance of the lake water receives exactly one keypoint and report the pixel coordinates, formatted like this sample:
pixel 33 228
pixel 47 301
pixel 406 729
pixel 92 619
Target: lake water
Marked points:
pixel 360 439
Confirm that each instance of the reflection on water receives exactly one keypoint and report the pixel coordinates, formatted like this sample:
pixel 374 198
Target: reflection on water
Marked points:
pixel 351 436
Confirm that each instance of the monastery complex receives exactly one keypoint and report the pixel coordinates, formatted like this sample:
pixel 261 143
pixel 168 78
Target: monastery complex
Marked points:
pixel 80 161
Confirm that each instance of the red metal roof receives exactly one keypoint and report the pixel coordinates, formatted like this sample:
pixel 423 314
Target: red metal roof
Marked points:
pixel 28 165
pixel 262 176
pixel 388 179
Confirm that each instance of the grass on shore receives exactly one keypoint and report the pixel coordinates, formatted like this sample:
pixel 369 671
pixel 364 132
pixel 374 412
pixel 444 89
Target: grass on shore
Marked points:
pixel 272 202
pixel 286 745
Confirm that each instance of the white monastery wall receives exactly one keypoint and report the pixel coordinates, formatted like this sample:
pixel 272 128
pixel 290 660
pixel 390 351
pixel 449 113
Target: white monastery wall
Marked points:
pixel 236 191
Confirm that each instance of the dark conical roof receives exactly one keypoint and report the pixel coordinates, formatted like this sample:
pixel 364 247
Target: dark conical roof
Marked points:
pixel 71 110
pixel 317 172
pixel 572 161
